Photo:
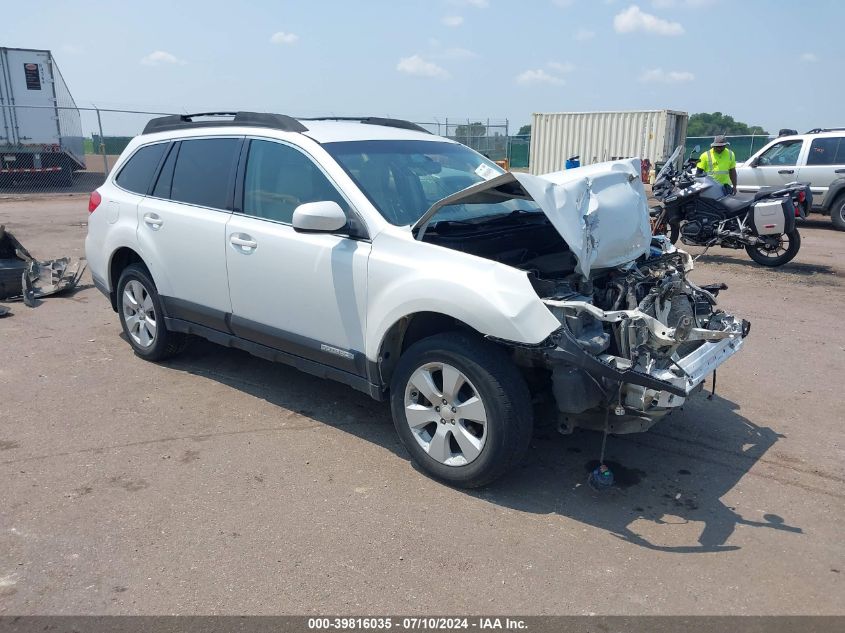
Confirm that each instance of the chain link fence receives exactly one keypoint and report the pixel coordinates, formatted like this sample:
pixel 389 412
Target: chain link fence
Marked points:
pixel 68 149
pixel 62 149
pixel 744 146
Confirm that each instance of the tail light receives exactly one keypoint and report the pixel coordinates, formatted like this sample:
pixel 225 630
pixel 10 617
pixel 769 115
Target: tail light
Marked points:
pixel 94 201
pixel 802 196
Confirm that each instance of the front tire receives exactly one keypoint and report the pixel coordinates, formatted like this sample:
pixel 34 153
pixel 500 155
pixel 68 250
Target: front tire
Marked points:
pixel 142 318
pixel 786 249
pixel 461 408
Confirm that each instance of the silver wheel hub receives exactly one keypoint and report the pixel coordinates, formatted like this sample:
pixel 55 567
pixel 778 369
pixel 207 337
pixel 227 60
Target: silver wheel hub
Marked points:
pixel 445 414
pixel 139 314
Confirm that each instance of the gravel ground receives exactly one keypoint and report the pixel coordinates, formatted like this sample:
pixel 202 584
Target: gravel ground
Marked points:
pixel 221 483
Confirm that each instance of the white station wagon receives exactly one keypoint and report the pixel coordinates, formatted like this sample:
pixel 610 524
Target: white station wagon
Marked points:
pixel 412 268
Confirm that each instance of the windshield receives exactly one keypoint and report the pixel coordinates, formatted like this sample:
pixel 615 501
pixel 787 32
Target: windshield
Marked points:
pixel 669 164
pixel 404 178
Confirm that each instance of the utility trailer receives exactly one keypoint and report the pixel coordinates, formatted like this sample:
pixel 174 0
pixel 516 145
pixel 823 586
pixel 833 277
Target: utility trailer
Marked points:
pixel 40 127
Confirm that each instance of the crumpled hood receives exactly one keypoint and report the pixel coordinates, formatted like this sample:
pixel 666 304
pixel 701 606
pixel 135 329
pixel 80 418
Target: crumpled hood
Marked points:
pixel 600 210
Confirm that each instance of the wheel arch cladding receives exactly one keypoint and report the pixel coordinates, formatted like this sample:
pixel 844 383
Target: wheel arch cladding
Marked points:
pixel 412 328
pixel 120 259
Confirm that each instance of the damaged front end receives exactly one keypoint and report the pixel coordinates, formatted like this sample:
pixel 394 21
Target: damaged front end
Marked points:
pixel 638 340
pixel 637 336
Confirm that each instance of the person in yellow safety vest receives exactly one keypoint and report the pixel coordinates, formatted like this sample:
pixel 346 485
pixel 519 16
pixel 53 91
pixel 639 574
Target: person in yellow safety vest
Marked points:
pixel 719 162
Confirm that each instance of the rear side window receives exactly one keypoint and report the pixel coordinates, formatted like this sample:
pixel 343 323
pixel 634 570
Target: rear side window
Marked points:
pixel 203 172
pixel 138 171
pixel 823 151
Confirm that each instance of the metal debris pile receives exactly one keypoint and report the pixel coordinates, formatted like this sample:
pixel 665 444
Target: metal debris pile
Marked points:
pixel 22 277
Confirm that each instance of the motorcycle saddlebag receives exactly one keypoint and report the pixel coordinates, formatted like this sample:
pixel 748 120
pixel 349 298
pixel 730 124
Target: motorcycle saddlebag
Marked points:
pixel 773 217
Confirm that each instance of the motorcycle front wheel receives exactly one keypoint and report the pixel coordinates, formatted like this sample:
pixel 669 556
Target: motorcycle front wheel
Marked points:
pixel 777 251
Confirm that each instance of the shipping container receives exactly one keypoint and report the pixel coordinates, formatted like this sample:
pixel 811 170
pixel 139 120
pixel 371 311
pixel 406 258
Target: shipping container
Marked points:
pixel 40 127
pixel 601 136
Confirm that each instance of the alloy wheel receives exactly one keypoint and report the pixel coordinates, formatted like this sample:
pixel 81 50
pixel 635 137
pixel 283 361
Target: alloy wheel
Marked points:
pixel 139 314
pixel 446 414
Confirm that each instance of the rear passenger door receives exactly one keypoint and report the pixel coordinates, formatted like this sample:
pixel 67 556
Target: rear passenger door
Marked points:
pixel 182 227
pixel 825 163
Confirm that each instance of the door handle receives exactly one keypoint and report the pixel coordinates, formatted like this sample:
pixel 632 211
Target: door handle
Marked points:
pixel 786 171
pixel 153 221
pixel 243 243
pixel 839 171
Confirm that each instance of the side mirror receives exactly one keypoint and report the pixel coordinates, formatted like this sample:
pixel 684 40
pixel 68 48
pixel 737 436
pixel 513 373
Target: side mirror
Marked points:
pixel 697 149
pixel 754 162
pixel 324 216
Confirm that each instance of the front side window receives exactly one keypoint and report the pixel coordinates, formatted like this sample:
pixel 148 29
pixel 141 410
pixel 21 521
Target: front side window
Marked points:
pixel 823 151
pixel 403 179
pixel 203 171
pixel 138 171
pixel 279 178
pixel 783 154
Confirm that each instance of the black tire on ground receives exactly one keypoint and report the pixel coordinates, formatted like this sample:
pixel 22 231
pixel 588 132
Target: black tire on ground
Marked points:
pixel 758 254
pixel 11 277
pixel 504 394
pixel 165 343
pixel 837 212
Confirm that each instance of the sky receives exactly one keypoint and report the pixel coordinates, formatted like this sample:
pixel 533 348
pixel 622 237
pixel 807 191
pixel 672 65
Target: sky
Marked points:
pixel 765 62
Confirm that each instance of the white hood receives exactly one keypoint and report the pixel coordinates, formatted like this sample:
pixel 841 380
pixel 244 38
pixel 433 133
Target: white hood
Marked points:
pixel 600 210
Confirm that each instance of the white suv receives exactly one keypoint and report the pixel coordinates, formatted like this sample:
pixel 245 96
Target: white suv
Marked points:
pixel 411 268
pixel 817 157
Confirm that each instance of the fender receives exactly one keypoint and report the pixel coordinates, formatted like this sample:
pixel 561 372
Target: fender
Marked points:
pixel 836 187
pixel 406 276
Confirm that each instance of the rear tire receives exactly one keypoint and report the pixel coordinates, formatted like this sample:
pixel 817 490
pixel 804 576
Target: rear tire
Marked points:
pixel 488 431
pixel 142 318
pixel 837 213
pixel 765 257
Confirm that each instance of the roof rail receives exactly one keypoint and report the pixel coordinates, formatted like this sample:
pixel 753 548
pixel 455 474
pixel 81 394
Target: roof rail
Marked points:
pixel 816 130
pixel 374 120
pixel 240 119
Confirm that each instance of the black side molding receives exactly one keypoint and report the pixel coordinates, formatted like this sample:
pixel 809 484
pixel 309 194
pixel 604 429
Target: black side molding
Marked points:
pixel 268 353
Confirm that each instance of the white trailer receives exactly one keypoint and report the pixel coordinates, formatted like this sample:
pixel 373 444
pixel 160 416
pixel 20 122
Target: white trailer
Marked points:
pixel 602 136
pixel 40 127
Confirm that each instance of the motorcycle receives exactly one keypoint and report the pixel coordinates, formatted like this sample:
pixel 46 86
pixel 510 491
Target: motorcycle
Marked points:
pixel 697 210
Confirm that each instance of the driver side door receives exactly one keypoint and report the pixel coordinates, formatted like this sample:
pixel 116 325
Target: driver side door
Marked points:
pixel 775 167
pixel 301 293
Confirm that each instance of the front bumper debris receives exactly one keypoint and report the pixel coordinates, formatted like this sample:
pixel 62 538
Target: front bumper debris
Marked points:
pixel 39 278
pixel 648 391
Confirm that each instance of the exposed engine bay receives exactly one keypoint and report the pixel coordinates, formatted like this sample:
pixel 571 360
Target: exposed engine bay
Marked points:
pixel 635 340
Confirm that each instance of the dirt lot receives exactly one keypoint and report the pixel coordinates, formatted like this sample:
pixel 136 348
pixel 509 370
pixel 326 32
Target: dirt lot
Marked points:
pixel 220 483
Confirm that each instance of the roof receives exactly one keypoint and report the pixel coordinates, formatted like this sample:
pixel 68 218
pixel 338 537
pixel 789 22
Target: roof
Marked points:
pixel 334 131
pixel 323 130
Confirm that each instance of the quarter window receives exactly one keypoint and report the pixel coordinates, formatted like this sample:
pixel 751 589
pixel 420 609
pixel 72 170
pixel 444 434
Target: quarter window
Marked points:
pixel 138 172
pixel 203 171
pixel 279 178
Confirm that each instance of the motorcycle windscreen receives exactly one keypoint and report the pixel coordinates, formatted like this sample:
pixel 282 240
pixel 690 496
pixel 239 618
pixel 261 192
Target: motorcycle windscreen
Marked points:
pixel 601 211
